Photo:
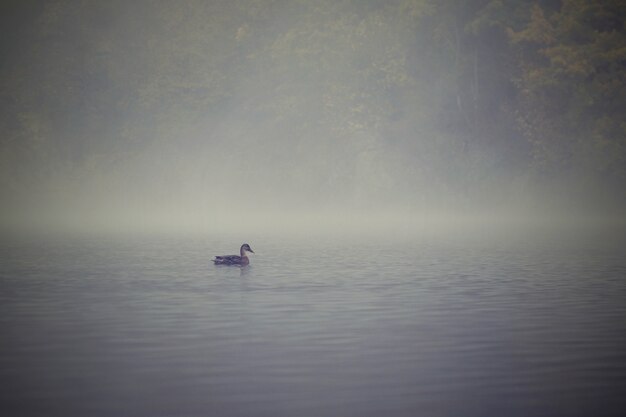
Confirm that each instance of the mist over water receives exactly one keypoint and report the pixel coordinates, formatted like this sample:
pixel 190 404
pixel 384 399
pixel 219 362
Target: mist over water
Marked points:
pixel 434 191
pixel 218 115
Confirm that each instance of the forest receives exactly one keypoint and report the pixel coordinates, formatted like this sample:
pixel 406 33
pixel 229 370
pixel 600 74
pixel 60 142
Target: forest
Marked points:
pixel 199 105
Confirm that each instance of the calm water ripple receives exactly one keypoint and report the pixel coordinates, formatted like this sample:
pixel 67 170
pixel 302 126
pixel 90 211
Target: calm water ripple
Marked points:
pixel 314 327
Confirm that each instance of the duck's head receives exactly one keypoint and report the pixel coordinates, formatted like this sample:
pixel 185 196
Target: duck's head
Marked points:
pixel 246 248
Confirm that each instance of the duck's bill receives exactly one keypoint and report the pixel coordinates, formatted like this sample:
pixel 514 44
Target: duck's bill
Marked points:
pixel 250 250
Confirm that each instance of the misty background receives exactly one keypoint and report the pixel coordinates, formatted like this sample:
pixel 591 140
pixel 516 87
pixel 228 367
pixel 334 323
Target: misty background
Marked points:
pixel 197 114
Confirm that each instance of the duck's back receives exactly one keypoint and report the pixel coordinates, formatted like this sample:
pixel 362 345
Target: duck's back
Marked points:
pixel 231 260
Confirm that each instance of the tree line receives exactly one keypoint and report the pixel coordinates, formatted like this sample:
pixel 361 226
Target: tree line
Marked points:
pixel 401 95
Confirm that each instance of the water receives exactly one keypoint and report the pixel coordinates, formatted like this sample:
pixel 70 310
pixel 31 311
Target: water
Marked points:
pixel 326 326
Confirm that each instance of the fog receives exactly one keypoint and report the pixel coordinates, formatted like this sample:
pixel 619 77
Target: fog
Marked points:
pixel 433 191
pixel 293 115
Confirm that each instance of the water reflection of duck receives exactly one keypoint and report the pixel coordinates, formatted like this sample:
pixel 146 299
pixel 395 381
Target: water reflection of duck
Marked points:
pixel 241 259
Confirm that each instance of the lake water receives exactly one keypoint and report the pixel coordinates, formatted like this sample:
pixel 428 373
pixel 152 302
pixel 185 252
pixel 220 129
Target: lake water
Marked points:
pixel 474 325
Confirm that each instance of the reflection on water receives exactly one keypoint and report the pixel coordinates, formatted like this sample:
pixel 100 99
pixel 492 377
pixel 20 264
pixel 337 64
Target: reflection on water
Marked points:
pixel 313 327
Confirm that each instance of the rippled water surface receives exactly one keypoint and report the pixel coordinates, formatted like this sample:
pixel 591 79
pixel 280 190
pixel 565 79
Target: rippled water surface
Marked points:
pixel 336 326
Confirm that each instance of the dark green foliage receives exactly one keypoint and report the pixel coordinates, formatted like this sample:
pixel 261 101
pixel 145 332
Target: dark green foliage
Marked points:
pixel 572 90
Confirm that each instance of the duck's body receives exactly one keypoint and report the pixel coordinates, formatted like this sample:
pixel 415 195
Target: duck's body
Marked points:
pixel 240 260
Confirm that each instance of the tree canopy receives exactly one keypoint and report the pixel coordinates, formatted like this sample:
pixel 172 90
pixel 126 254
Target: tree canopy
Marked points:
pixel 379 99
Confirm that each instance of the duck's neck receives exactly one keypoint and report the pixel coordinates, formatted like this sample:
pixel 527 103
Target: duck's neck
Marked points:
pixel 242 252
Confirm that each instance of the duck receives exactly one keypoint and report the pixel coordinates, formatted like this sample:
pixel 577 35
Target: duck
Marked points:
pixel 241 259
